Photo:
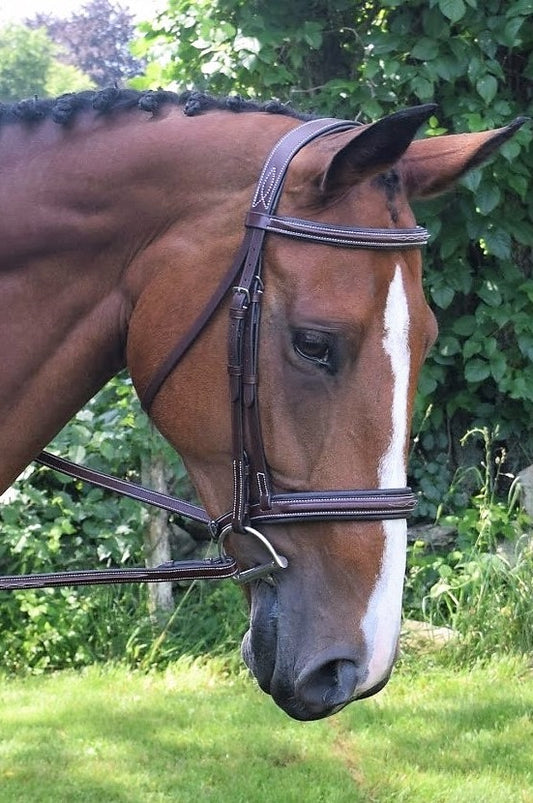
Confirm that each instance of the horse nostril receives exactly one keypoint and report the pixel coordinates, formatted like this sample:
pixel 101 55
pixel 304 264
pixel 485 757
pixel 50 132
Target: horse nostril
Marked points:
pixel 328 686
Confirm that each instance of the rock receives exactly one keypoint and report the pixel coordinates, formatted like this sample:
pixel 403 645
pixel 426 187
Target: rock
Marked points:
pixel 420 634
pixel 526 489
pixel 436 536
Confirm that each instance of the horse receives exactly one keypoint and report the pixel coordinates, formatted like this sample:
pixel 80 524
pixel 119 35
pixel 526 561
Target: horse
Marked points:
pixel 122 212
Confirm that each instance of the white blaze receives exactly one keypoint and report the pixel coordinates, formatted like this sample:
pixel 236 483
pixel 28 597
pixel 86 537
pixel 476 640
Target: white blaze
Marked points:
pixel 381 623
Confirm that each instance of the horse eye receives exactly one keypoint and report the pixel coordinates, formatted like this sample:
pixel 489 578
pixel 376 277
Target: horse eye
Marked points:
pixel 316 347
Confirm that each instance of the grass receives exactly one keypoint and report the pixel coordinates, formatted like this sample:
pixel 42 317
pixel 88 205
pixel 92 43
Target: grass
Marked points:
pixel 197 733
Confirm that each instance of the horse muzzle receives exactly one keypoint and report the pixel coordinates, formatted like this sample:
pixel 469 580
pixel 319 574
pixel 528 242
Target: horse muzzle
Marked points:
pixel 309 678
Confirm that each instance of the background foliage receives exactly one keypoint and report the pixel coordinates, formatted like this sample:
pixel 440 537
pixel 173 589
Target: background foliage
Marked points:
pixel 96 40
pixel 355 60
pixel 50 522
pixel 48 55
pixel 28 65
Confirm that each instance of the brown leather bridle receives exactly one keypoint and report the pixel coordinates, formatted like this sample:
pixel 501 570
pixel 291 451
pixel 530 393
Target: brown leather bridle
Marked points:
pixel 255 503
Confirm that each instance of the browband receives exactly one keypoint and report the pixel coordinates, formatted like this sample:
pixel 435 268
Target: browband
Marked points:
pixel 343 236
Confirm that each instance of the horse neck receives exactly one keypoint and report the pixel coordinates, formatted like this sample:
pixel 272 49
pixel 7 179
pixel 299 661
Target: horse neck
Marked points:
pixel 62 339
pixel 91 217
pixel 64 245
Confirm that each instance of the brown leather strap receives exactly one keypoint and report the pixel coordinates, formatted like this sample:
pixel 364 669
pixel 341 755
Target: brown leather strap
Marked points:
pixel 361 505
pixel 124 488
pixel 364 505
pixel 190 336
pixel 342 236
pixel 174 571
pixel 249 462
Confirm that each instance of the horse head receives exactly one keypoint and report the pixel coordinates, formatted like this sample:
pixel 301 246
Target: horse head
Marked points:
pixel 343 335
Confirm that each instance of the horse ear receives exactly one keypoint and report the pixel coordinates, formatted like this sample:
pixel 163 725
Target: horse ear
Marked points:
pixel 374 148
pixel 430 166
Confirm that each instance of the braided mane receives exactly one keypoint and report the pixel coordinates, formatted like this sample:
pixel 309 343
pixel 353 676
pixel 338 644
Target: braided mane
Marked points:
pixel 64 109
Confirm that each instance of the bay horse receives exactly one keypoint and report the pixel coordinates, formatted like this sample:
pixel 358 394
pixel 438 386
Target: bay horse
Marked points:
pixel 121 212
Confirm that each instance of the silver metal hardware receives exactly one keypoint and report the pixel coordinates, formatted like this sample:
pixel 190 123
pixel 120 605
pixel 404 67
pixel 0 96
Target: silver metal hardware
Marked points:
pixel 277 563
pixel 245 291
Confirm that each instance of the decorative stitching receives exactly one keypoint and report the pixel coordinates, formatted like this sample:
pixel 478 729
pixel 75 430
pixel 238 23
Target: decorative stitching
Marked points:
pixel 386 513
pixel 385 238
pixel 402 499
pixel 317 127
pixel 238 502
pixel 267 185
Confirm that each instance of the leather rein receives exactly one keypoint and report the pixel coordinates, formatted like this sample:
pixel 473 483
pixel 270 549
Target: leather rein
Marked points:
pixel 254 501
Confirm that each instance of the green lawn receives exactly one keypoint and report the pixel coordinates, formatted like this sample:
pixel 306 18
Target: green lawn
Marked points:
pixel 195 733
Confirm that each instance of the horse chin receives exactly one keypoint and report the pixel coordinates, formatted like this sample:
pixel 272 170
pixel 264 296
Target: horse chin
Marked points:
pixel 260 641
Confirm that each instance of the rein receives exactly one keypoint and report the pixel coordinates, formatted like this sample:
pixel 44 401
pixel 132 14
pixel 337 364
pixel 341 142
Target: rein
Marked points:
pixel 254 501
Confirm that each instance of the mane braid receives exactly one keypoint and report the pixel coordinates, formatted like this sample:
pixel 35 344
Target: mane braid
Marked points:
pixel 64 109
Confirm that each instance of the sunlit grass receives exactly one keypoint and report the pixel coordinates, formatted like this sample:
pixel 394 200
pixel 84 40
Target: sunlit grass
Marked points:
pixel 195 733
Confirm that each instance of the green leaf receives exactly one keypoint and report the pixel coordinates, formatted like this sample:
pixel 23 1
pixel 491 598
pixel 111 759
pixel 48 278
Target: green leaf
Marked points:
pixel 498 365
pixel 522 230
pixel 525 344
pixel 510 33
pixel 471 180
pixel 520 184
pixel 487 198
pixel 487 43
pixel 454 10
pixel 476 370
pixel 490 293
pixel 498 243
pixel 465 325
pixel 487 86
pixel 312 33
pixel 449 345
pixel 447 67
pixel 426 383
pixel 422 88
pixel 425 49
pixel 470 348
pixel 442 295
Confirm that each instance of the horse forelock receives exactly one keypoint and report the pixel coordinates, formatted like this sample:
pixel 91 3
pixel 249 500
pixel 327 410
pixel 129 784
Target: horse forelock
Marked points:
pixel 390 184
pixel 65 108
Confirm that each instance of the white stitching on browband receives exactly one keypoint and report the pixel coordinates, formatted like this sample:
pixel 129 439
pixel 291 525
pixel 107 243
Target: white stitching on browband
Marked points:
pixel 340 241
pixel 417 236
pixel 267 186
pixel 349 499
pixel 403 234
pixel 382 513
pixel 266 167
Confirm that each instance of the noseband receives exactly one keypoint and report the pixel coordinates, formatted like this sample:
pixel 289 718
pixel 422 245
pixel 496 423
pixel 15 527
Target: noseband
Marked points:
pixel 254 501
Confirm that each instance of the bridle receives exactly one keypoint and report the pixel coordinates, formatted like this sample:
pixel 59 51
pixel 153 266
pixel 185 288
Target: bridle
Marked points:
pixel 255 503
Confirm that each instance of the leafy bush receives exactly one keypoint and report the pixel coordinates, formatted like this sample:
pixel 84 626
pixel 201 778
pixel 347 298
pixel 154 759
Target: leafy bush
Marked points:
pixel 50 522
pixel 482 588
